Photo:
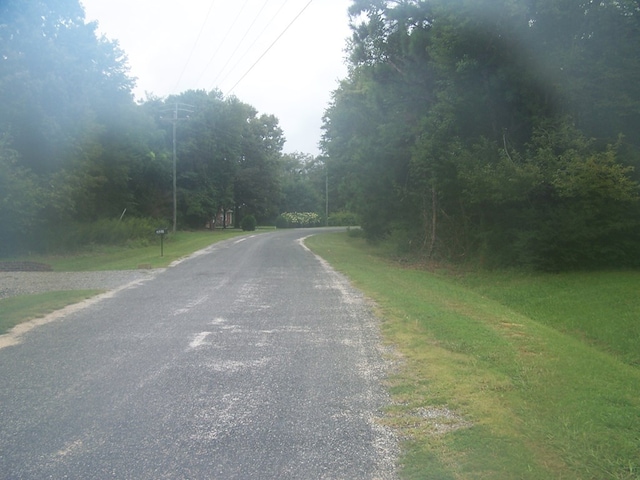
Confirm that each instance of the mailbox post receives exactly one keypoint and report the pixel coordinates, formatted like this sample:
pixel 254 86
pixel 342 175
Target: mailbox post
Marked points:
pixel 161 232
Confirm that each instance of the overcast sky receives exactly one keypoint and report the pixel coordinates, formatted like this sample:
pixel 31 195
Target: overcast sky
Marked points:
pixel 174 46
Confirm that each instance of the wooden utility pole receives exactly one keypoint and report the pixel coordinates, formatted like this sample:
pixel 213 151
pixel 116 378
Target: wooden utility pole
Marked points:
pixel 178 108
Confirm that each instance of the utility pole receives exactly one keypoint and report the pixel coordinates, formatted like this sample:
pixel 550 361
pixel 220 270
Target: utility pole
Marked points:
pixel 177 110
pixel 326 194
pixel 175 190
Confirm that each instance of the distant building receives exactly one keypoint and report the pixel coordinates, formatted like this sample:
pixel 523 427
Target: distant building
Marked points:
pixel 224 219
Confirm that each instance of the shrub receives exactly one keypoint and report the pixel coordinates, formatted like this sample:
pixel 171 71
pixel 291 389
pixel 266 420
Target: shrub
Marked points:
pixel 343 219
pixel 75 236
pixel 355 232
pixel 248 223
pixel 282 222
pixel 298 220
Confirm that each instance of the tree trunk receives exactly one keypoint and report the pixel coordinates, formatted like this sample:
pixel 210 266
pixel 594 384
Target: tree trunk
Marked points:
pixel 431 213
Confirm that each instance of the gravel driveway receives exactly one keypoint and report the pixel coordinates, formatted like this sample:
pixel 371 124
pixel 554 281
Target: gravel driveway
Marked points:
pixel 27 283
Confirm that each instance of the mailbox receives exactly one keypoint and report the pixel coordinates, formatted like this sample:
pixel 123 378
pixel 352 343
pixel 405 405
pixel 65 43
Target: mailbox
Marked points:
pixel 162 232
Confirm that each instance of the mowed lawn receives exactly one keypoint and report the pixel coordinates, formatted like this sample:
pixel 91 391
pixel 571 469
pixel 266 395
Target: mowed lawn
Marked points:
pixel 506 375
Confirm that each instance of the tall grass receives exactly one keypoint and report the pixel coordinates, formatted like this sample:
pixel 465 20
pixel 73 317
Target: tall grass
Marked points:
pixel 498 378
pixel 77 236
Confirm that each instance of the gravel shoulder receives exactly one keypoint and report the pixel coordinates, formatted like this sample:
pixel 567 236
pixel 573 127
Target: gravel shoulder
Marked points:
pixel 28 283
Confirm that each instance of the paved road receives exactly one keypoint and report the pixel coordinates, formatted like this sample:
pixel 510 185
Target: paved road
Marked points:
pixel 253 360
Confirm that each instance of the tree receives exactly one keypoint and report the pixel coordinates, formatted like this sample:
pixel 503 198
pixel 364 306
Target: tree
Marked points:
pixel 74 140
pixel 376 115
pixel 303 183
pixel 56 79
pixel 227 159
pixel 587 51
pixel 20 202
pixel 257 182
pixel 64 93
pixel 205 140
pixel 433 132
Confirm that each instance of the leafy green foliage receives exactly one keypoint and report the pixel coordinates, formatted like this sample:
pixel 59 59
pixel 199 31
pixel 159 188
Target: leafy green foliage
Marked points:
pixel 57 79
pixel 464 130
pixel 343 219
pixel 20 202
pixel 282 222
pixel 298 220
pixel 248 223
pixel 561 204
pixel 76 149
pixel 228 157
pixel 302 183
pixel 129 231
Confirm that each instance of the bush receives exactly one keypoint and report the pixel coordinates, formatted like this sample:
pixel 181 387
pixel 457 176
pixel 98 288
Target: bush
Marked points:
pixel 20 205
pixel 298 220
pixel 282 222
pixel 355 232
pixel 130 231
pixel 248 223
pixel 343 219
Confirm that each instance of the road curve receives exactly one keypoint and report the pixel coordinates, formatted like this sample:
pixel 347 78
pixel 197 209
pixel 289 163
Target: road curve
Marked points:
pixel 250 360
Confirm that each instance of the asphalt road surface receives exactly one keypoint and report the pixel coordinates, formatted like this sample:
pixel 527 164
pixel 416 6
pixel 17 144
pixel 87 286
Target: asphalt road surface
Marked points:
pixel 250 360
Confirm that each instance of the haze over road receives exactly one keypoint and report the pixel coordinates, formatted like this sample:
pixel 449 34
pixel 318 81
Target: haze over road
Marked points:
pixel 251 360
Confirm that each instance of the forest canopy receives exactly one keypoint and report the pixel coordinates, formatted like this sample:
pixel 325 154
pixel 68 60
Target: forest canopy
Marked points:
pixel 76 148
pixel 498 132
pixel 503 132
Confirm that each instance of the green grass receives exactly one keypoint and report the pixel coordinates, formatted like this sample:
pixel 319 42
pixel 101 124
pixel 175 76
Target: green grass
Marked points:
pixel 534 389
pixel 603 308
pixel 16 310
pixel 176 246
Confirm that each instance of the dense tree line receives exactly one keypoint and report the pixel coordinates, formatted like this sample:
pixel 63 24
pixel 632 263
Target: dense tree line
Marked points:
pixel 75 147
pixel 500 131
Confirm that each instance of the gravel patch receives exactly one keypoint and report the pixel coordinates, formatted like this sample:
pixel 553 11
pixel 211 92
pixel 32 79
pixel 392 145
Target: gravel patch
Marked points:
pixel 28 283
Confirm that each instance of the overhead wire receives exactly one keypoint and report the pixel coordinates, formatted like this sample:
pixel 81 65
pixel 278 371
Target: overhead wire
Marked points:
pixel 246 52
pixel 255 19
pixel 224 39
pixel 193 49
pixel 255 40
pixel 269 48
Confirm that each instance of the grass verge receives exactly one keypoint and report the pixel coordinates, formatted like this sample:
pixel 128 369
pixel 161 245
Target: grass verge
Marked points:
pixel 600 308
pixel 501 380
pixel 176 246
pixel 16 310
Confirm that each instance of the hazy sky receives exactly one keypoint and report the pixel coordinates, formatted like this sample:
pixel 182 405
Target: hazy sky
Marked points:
pixel 205 44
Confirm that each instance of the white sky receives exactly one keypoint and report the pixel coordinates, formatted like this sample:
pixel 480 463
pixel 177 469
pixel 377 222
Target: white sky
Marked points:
pixel 175 46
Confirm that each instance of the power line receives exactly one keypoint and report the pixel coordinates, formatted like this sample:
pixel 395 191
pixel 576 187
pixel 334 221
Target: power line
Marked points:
pixel 206 18
pixel 242 39
pixel 255 40
pixel 224 39
pixel 269 48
